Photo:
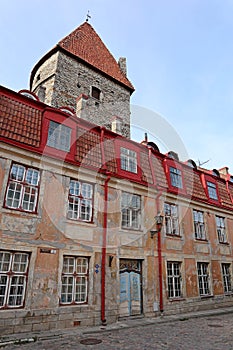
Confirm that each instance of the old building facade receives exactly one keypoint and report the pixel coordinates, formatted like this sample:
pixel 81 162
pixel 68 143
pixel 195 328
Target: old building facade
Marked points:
pixel 80 244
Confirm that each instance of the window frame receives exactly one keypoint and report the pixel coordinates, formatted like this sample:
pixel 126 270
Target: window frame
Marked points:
pixel 226 277
pixel 59 117
pixel 199 226
pixel 70 289
pixel 95 93
pixel 128 158
pixel 204 285
pixel 130 213
pixel 176 177
pixel 59 133
pixel 15 281
pixel 172 219
pixel 77 199
pixel 210 179
pixel 21 189
pixel 174 280
pixel 221 229
pixel 169 163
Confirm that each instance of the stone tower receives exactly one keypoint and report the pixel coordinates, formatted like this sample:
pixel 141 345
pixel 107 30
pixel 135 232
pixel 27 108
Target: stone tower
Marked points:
pixel 81 73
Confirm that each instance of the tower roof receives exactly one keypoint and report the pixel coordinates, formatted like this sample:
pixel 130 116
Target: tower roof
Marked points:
pixel 86 44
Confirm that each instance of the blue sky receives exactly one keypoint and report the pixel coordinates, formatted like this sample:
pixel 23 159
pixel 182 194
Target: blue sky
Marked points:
pixel 179 56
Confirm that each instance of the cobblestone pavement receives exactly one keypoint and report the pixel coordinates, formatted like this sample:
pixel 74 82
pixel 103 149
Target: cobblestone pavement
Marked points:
pixel 203 333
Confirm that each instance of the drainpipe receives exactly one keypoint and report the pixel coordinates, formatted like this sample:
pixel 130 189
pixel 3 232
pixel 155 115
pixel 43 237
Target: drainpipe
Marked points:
pixel 103 264
pixel 158 227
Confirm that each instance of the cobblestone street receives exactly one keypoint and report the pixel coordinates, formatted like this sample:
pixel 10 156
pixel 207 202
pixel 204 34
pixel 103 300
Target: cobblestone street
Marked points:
pixel 202 333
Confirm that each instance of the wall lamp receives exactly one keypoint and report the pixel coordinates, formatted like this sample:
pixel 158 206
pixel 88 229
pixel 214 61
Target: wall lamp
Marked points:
pixel 159 223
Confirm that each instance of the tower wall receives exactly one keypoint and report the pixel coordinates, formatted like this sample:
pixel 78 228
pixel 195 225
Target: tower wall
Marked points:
pixel 66 78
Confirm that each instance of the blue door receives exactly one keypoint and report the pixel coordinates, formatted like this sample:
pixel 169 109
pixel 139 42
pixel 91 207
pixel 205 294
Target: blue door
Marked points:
pixel 130 288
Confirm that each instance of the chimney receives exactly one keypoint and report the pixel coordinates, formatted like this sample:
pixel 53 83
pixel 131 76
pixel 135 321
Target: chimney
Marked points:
pixel 224 170
pixel 122 65
pixel 117 125
pixel 80 105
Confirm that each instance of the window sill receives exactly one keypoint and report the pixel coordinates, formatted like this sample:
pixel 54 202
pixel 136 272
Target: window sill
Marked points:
pixel 201 240
pixel 224 243
pixel 172 300
pixel 81 222
pixel 132 230
pixel 173 236
pixel 15 211
pixel 206 296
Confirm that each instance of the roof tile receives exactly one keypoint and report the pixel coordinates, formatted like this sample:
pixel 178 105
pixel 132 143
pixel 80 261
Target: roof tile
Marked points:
pixel 86 44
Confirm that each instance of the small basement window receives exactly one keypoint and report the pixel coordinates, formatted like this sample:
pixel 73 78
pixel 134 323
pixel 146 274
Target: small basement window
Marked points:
pixel 95 92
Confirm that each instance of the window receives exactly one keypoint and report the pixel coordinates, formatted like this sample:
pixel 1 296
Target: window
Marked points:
pixel 130 211
pixel 221 230
pixel 199 225
pixel 22 189
pixel 226 274
pixel 128 160
pixel 212 191
pixel 74 280
pixel 95 92
pixel 174 279
pixel 203 278
pixel 80 201
pixel 13 278
pixel 176 177
pixel 171 219
pixel 59 136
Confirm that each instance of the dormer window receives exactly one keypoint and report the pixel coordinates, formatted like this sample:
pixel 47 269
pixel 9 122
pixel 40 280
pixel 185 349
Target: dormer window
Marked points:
pixel 95 92
pixel 212 190
pixel 128 160
pixel 176 177
pixel 59 136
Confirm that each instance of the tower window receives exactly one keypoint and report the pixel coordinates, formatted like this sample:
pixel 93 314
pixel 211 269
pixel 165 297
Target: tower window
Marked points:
pixel 95 92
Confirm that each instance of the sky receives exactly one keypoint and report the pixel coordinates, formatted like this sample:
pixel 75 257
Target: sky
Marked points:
pixel 179 59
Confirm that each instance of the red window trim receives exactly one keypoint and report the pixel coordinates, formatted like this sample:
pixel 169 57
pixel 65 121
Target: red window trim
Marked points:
pixel 130 146
pixel 60 119
pixel 170 163
pixel 208 178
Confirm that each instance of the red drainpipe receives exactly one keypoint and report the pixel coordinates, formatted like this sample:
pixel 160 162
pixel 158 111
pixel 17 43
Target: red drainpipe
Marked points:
pixel 103 264
pixel 160 255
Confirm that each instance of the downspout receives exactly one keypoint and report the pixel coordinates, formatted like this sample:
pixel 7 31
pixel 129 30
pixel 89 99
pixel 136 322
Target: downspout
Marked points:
pixel 160 256
pixel 103 263
pixel 105 226
pixel 159 250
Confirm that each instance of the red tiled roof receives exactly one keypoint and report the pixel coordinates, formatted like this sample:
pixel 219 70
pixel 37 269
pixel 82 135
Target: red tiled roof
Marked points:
pixel 86 44
pixel 20 122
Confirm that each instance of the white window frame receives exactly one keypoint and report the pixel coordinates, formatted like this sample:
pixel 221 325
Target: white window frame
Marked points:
pixel 212 190
pixel 199 224
pixel 80 201
pixel 128 160
pixel 59 136
pixel 130 211
pixel 176 177
pixel 13 278
pixel 226 275
pixel 171 219
pixel 23 188
pixel 221 229
pixel 74 280
pixel 203 278
pixel 174 279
